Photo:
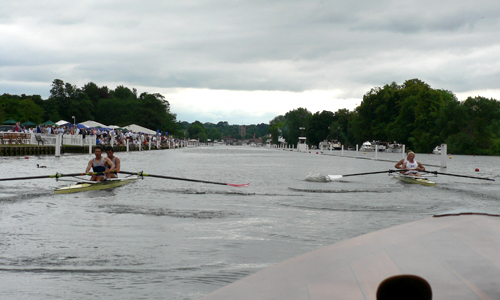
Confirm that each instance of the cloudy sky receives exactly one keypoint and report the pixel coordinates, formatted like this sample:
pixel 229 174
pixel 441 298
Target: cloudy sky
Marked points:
pixel 246 62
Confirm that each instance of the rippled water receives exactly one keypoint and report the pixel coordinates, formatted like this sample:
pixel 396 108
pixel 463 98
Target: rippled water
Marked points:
pixel 167 239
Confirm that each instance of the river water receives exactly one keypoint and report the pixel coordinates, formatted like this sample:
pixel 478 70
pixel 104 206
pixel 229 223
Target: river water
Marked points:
pixel 169 239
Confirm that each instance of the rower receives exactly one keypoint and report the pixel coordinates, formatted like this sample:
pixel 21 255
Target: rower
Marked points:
pixel 116 161
pixel 412 166
pixel 399 164
pixel 98 165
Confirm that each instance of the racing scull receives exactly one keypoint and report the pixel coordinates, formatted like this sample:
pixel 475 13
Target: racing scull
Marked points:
pixel 87 185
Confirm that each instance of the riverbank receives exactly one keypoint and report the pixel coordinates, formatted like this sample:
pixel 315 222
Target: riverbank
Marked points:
pixel 20 150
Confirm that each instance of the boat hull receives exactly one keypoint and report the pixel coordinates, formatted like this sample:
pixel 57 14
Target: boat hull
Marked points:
pixel 83 187
pixel 456 254
pixel 414 180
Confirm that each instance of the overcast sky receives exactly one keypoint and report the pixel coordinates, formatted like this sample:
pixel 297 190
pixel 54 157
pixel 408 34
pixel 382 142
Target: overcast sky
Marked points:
pixel 246 62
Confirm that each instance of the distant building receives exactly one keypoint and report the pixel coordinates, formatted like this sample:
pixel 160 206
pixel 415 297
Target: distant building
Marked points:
pixel 243 131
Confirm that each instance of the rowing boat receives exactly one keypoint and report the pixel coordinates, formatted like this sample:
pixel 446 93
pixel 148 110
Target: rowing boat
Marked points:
pixel 413 179
pixel 456 253
pixel 86 185
pixel 83 185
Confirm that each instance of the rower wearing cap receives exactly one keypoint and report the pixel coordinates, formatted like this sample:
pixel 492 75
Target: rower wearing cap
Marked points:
pixel 412 166
pixel 116 161
pixel 99 165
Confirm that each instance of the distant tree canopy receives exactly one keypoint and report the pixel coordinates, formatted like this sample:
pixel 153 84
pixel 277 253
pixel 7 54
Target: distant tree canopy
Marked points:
pixel 197 131
pixel 25 108
pixel 120 107
pixel 412 113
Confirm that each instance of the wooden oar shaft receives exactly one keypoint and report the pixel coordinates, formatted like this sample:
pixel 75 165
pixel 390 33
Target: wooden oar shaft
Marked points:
pixel 58 175
pixel 458 175
pixel 178 178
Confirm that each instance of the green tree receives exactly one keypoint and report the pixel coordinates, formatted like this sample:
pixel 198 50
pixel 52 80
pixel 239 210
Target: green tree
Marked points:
pixel 197 131
pixel 275 128
pixel 214 134
pixel 295 119
pixel 320 127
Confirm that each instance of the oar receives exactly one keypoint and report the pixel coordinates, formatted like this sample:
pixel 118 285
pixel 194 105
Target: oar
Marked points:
pixel 184 179
pixel 458 175
pixel 332 177
pixel 57 175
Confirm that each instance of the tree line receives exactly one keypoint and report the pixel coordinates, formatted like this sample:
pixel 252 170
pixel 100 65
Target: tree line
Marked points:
pixel 206 131
pixel 121 106
pixel 412 113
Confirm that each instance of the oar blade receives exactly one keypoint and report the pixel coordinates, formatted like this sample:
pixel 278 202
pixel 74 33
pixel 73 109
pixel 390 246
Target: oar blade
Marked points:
pixel 238 185
pixel 334 177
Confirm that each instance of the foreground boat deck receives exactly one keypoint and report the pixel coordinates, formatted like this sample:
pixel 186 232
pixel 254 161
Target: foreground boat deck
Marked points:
pixel 458 255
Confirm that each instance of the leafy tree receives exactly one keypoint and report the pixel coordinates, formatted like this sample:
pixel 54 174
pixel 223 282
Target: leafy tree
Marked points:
pixel 124 93
pixel 197 131
pixel 295 119
pixel 20 108
pixel 343 122
pixel 29 111
pixel 275 127
pixel 320 127
pixel 214 134
pixel 95 94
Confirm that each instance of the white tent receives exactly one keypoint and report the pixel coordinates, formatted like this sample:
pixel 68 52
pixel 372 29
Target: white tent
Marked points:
pixel 61 122
pixel 92 124
pixel 137 128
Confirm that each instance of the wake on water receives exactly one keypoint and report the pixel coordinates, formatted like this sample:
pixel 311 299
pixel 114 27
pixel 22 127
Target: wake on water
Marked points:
pixel 318 177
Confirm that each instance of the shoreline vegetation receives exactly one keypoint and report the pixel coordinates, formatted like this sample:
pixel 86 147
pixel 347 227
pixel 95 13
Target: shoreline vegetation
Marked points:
pixel 412 113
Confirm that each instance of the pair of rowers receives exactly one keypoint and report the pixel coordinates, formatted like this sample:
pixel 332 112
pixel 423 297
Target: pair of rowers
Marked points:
pixel 105 167
pixel 409 165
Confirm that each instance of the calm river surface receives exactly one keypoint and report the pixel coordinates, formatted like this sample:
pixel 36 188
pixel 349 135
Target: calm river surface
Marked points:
pixel 166 239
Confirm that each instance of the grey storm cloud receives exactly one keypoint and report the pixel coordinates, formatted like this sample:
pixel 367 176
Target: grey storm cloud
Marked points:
pixel 251 45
